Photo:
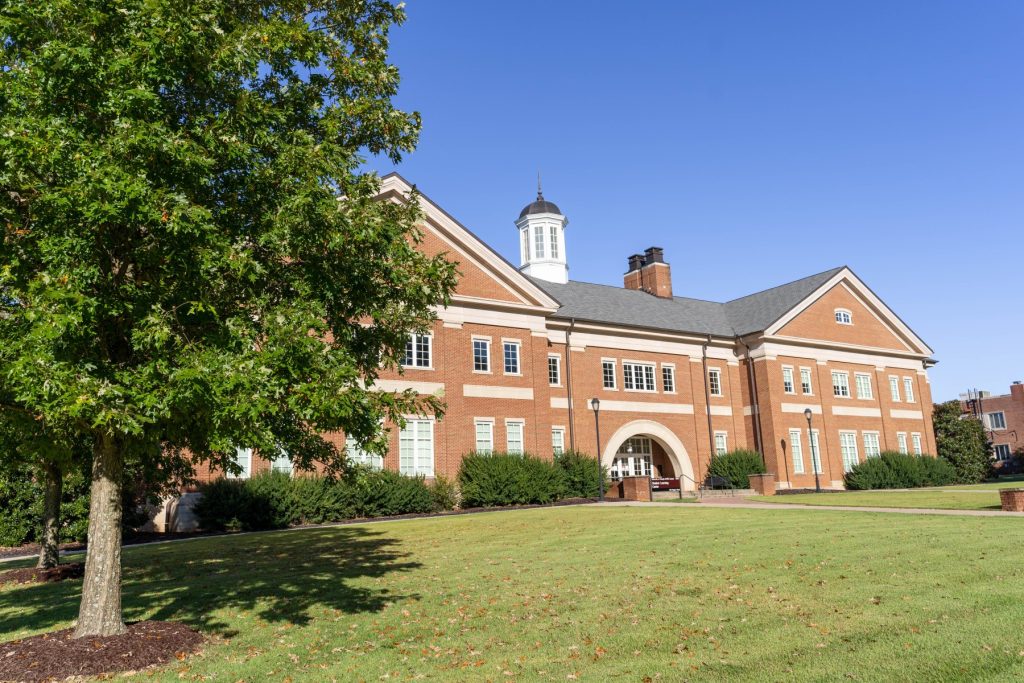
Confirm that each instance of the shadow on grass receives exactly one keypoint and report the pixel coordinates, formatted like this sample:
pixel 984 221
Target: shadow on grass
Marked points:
pixel 278 577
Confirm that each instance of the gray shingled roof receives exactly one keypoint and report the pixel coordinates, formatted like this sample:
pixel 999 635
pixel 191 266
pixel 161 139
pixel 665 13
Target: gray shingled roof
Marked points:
pixel 620 306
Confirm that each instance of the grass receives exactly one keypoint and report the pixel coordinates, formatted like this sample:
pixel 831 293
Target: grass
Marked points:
pixel 583 593
pixel 923 498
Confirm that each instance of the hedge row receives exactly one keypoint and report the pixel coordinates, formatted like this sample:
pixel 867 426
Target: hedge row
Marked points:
pixel 735 467
pixel 497 479
pixel 893 470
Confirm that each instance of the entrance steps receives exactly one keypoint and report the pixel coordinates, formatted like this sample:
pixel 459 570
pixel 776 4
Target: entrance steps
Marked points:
pixel 725 493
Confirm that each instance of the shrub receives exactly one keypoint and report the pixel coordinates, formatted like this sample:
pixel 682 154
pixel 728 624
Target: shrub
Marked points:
pixel 508 479
pixel 580 474
pixel 899 471
pixel 384 493
pixel 19 516
pixel 228 505
pixel 735 467
pixel 445 492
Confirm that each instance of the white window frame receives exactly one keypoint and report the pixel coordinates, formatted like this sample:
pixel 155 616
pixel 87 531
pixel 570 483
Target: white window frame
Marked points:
pixel 901 442
pixel 558 369
pixel 1002 448
pixel 845 384
pixel 411 344
pixel 721 443
pixel 991 424
pixel 844 316
pixel 894 388
pixel 422 455
pixel 848 449
pixel 516 344
pixel 639 374
pixel 915 441
pixel 712 388
pixel 872 444
pixel 908 389
pixel 242 455
pixel 538 242
pixel 815 446
pixel 283 464
pixel 806 387
pixel 488 423
pixel 633 459
pixel 486 341
pixel 607 363
pixel 510 423
pixel 868 395
pixel 355 453
pixel 796 451
pixel 553 241
pixel 557 440
pixel 668 370
pixel 788 382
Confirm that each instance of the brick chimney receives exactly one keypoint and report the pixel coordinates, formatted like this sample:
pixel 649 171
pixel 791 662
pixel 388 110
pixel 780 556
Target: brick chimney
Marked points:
pixel 649 273
pixel 1017 391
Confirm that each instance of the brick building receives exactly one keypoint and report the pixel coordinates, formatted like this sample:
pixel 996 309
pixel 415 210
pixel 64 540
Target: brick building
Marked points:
pixel 1003 417
pixel 521 352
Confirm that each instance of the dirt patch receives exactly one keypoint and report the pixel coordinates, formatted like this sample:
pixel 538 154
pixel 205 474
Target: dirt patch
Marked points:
pixel 73 570
pixel 56 656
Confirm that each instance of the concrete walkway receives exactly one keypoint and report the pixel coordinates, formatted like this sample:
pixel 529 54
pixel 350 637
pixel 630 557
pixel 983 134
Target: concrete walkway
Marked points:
pixel 744 504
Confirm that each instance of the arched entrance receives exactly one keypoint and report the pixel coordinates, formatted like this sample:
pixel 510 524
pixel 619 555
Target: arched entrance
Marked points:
pixel 631 440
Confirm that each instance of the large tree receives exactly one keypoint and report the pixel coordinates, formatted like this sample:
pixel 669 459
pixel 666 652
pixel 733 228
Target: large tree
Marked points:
pixel 192 257
pixel 960 438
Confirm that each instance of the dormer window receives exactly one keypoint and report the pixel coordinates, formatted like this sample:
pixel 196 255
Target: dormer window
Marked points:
pixel 844 317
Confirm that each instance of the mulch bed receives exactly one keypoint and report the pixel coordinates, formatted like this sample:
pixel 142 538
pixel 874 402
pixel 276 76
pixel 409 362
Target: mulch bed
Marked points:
pixel 73 570
pixel 56 656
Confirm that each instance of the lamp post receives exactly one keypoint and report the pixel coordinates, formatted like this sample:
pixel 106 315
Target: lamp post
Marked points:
pixel 814 458
pixel 595 404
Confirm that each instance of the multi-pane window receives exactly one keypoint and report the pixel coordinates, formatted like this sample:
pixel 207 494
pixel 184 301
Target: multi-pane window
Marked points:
pixel 282 463
pixel 359 455
pixel 481 355
pixel 608 373
pixel 815 452
pixel 638 376
pixel 901 442
pixel 633 459
pixel 996 420
pixel 805 381
pixel 416 448
pixel 844 317
pixel 484 436
pixel 915 439
pixel 1001 451
pixel 796 451
pixel 848 447
pixel 538 242
pixel 668 379
pixel 514 436
pixel 871 447
pixel 243 458
pixel 526 245
pixel 908 389
pixel 417 351
pixel 863 385
pixel 715 381
pixel 554 370
pixel 787 380
pixel 557 440
pixel 511 358
pixel 841 384
pixel 894 388
pixel 553 238
pixel 721 443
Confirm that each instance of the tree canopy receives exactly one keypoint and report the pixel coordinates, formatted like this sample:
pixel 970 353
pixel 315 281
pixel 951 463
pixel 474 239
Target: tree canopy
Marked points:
pixel 961 440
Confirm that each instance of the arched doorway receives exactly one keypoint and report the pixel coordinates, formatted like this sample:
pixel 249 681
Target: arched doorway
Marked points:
pixel 631 451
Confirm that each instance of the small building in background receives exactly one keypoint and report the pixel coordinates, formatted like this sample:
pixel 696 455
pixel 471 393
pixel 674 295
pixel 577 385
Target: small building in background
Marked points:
pixel 1003 417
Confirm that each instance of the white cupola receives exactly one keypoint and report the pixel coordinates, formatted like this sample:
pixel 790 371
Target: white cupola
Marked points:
pixel 542 240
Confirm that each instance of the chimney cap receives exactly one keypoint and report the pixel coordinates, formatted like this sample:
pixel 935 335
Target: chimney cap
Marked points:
pixel 654 255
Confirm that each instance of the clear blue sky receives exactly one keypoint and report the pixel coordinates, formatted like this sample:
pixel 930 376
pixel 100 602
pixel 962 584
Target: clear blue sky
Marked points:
pixel 757 142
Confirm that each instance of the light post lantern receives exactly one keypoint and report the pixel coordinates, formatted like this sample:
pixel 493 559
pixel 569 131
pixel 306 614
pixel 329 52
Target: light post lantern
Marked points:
pixel 815 458
pixel 595 405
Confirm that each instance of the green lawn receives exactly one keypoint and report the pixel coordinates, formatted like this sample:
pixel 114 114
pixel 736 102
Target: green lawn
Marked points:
pixel 924 498
pixel 583 593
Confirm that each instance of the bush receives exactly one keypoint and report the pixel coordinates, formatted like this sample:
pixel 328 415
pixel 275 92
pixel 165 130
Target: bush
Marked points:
pixel 21 507
pixel 580 475
pixel 735 467
pixel 508 479
pixel 384 493
pixel 445 492
pixel 899 471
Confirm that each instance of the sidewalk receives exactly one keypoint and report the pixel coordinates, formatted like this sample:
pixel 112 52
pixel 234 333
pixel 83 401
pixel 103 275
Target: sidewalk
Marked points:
pixel 742 503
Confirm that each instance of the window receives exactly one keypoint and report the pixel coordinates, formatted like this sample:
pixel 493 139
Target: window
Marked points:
pixel 668 379
pixel 787 380
pixel 526 245
pixel 908 389
pixel 514 436
pixel 815 452
pixel 721 443
pixel 915 439
pixel 894 388
pixel 848 447
pixel 901 442
pixel 554 370
pixel 841 384
pixel 996 420
pixel 511 358
pixel 863 385
pixel 282 463
pixel 357 454
pixel 416 448
pixel 243 458
pixel 417 351
pixel 538 242
pixel 715 381
pixel 481 355
pixel 633 459
pixel 805 381
pixel 608 373
pixel 796 451
pixel 844 317
pixel 553 240
pixel 638 376
pixel 871 447
pixel 1001 451
pixel 557 440
pixel 484 436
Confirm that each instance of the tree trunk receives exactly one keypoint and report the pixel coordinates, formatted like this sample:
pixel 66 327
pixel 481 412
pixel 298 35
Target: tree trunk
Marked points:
pixel 49 546
pixel 100 611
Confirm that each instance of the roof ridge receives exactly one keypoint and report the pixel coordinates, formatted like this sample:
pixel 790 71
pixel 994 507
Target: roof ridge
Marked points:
pixel 786 284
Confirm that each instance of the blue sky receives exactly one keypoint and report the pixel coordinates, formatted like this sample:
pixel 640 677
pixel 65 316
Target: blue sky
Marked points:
pixel 756 142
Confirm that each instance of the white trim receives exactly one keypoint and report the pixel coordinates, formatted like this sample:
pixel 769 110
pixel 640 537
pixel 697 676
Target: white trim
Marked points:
pixel 432 388
pixel 645 407
pixel 837 313
pixel 723 411
pixel 521 423
pixel 907 414
pixel 856 411
pixel 560 402
pixel 800 408
pixel 725 441
pixel 721 388
pixel 665 437
pixel 488 391
pixel 557 357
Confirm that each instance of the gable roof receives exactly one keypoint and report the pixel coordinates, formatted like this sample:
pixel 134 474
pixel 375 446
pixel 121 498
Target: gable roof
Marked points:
pixel 756 312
